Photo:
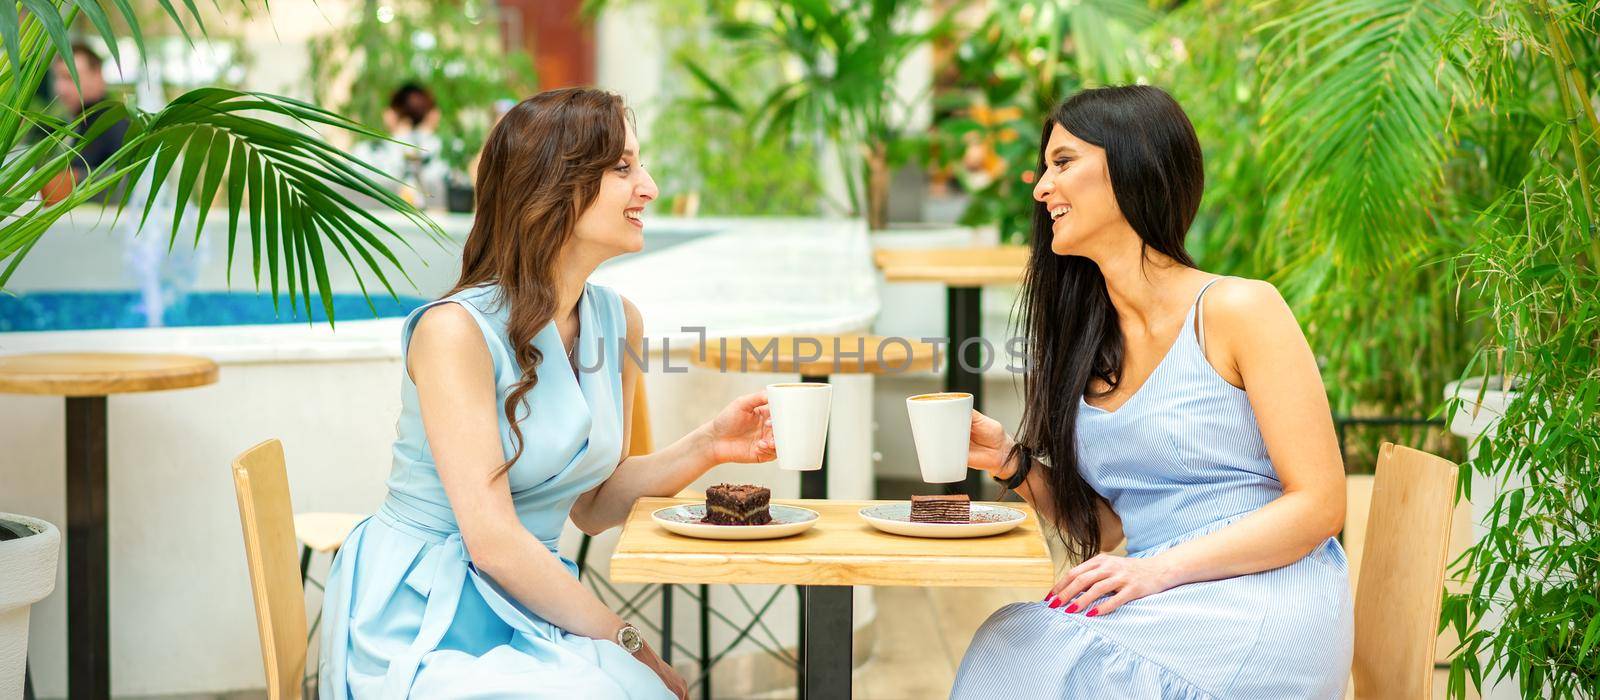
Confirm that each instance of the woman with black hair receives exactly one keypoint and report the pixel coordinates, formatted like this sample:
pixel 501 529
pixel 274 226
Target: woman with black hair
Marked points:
pixel 1176 407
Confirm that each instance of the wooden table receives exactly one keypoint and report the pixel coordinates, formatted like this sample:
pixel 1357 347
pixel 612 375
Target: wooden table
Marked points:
pixel 86 379
pixel 964 271
pixel 840 552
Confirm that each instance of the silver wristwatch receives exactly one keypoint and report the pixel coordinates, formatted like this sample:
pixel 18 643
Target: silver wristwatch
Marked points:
pixel 629 639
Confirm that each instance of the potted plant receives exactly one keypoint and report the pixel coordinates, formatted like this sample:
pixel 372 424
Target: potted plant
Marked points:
pixel 843 60
pixel 1004 75
pixel 454 52
pixel 458 152
pixel 29 548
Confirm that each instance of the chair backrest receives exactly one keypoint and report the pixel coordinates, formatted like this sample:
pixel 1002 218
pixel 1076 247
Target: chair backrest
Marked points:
pixel 640 440
pixel 262 485
pixel 1402 574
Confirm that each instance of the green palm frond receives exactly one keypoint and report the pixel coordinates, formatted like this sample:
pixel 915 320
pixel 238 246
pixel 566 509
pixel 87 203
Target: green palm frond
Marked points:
pixel 292 188
pixel 259 153
pixel 1357 122
pixel 1106 34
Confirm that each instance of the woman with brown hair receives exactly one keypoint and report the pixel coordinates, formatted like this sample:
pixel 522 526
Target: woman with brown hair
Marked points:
pixel 515 410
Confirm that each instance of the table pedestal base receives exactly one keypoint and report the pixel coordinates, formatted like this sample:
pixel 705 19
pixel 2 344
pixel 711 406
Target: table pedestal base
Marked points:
pixel 826 642
pixel 88 576
pixel 963 366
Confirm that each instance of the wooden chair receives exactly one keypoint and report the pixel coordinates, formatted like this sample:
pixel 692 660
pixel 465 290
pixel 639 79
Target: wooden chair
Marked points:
pixel 1401 583
pixel 322 533
pixel 262 485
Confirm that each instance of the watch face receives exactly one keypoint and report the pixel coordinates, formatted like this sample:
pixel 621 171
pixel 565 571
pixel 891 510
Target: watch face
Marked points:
pixel 630 639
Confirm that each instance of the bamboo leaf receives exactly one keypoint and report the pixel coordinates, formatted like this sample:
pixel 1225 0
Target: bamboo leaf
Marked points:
pixel 10 29
pixel 130 20
pixel 50 17
pixel 102 24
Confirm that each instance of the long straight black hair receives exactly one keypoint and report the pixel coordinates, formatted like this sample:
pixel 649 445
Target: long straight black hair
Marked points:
pixel 1066 314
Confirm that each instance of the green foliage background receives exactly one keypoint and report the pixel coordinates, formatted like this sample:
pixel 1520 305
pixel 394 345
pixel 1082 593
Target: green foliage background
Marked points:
pixel 453 48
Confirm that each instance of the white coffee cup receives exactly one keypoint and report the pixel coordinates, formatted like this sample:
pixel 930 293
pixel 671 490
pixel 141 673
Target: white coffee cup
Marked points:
pixel 941 425
pixel 800 422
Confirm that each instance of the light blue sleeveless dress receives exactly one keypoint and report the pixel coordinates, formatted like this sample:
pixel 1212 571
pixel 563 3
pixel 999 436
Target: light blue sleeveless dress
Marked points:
pixel 406 614
pixel 1182 458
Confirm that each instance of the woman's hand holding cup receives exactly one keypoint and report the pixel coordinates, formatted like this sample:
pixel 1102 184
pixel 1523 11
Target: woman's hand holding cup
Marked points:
pixel 989 446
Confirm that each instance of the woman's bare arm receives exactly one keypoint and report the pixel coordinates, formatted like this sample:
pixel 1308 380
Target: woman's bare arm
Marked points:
pixel 738 434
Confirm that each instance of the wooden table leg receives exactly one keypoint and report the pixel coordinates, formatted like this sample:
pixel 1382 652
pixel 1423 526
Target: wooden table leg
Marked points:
pixel 705 642
pixel 827 642
pixel 666 623
pixel 964 319
pixel 88 606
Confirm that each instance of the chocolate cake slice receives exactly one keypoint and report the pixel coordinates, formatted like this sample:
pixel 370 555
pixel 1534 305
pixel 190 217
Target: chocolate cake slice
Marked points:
pixel 954 508
pixel 738 504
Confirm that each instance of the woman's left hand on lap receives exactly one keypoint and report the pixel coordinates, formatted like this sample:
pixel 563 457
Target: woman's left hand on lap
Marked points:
pixel 742 432
pixel 1117 579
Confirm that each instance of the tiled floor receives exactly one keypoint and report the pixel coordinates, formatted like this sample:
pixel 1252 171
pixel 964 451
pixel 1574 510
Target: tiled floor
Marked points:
pixel 924 631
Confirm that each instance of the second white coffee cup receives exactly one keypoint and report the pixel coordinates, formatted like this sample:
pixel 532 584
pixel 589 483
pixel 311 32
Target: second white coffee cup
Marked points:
pixel 941 425
pixel 800 422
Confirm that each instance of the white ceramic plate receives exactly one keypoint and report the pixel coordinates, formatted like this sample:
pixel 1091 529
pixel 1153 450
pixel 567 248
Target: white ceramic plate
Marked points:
pixel 686 520
pixel 987 520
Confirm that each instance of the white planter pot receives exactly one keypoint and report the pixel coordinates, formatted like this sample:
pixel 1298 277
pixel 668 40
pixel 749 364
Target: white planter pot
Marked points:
pixel 27 575
pixel 1478 414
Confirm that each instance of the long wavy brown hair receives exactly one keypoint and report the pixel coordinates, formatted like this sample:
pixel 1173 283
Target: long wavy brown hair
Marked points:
pixel 539 171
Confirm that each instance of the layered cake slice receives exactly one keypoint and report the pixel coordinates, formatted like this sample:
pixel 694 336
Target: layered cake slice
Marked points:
pixel 738 504
pixel 954 508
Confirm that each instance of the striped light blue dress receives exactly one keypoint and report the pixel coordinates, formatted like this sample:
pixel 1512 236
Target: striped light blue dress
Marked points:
pixel 1182 458
pixel 406 614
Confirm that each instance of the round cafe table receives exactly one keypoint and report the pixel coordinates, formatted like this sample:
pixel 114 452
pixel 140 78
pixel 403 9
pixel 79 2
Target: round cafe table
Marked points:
pixel 86 379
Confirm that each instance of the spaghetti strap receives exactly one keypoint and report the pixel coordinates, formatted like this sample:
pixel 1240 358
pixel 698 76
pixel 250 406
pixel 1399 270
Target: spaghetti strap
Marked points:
pixel 1200 314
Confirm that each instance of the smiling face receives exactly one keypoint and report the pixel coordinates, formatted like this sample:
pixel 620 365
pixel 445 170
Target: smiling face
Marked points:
pixel 1075 188
pixel 613 223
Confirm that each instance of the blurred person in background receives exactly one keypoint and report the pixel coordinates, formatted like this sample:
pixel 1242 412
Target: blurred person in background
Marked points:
pixel 79 98
pixel 412 120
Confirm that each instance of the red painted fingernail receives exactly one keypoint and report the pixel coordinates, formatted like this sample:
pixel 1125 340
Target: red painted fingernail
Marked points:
pixel 1072 608
pixel 1056 603
pixel 1092 612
